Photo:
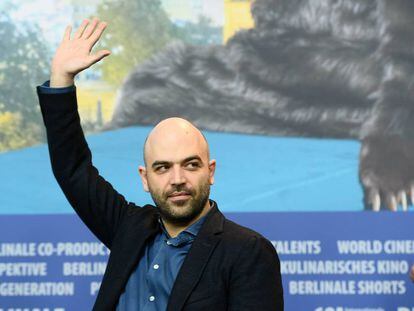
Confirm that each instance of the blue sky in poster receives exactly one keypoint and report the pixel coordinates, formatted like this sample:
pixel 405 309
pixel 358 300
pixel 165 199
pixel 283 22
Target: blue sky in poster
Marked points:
pixel 54 15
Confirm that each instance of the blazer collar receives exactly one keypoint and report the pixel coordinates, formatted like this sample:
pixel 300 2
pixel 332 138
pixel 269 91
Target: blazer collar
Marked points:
pixel 214 221
pixel 197 258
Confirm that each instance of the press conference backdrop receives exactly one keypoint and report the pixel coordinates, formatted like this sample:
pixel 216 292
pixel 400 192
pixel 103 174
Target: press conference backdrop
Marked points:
pixel 297 187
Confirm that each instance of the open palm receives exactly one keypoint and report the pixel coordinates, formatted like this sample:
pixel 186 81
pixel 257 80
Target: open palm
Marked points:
pixel 74 54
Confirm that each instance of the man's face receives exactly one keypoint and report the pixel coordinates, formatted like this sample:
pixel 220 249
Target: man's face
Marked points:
pixel 178 174
pixel 181 201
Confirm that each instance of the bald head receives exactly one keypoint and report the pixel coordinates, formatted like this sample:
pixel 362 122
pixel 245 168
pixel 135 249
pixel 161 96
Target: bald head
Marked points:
pixel 178 172
pixel 173 136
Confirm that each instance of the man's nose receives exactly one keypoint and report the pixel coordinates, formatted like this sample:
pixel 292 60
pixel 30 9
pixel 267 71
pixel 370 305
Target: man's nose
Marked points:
pixel 178 176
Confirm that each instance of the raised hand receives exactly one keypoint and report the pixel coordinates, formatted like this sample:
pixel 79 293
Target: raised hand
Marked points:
pixel 74 54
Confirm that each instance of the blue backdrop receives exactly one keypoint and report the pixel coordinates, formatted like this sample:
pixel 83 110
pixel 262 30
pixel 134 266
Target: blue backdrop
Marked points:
pixel 302 194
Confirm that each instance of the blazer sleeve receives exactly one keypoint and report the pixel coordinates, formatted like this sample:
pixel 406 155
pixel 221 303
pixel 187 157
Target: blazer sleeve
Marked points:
pixel 99 206
pixel 255 282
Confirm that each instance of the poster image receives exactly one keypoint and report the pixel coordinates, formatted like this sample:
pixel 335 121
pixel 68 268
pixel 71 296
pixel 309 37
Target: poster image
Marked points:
pixel 307 107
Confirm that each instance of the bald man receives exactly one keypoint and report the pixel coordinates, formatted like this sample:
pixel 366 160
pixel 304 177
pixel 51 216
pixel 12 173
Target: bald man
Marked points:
pixel 179 173
pixel 182 253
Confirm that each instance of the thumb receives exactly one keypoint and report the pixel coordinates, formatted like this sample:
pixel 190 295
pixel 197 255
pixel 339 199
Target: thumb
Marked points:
pixel 96 57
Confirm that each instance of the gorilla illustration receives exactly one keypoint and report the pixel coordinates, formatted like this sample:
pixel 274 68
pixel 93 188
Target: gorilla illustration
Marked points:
pixel 310 68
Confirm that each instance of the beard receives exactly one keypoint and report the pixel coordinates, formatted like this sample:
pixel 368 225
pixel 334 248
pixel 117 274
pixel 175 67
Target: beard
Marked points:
pixel 181 212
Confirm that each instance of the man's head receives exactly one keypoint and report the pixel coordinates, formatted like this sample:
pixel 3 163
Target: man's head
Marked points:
pixel 178 171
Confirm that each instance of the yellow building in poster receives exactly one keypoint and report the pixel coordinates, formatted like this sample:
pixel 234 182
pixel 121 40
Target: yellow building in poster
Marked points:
pixel 96 101
pixel 236 16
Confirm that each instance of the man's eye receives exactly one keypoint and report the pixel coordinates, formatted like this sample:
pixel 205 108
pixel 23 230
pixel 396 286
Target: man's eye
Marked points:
pixel 193 165
pixel 161 168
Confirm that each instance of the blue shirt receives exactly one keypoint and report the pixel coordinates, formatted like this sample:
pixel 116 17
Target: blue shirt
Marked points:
pixel 150 285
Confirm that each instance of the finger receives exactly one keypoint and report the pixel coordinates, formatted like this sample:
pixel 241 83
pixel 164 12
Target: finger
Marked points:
pixel 392 203
pixel 402 199
pixel 81 28
pixel 68 30
pixel 375 200
pixel 98 32
pixel 96 57
pixel 89 30
pixel 412 273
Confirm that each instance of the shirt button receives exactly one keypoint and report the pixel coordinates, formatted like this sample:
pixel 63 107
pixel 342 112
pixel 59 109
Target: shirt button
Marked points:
pixel 156 266
pixel 168 243
pixel 151 298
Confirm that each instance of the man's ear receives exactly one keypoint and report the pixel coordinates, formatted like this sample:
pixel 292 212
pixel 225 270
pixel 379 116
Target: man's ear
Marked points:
pixel 212 169
pixel 143 173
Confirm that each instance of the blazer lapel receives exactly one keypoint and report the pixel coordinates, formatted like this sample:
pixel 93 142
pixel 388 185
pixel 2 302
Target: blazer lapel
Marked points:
pixel 196 259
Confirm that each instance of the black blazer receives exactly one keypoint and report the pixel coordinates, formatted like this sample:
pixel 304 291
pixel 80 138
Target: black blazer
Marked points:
pixel 228 267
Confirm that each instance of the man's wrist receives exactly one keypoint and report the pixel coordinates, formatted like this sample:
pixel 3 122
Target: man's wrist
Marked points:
pixel 61 80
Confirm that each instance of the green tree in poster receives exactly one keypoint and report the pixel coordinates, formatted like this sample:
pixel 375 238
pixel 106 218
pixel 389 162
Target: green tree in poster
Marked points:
pixel 12 133
pixel 24 61
pixel 137 29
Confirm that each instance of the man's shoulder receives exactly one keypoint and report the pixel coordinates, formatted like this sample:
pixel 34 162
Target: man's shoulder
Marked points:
pixel 243 244
pixel 232 227
pixel 241 235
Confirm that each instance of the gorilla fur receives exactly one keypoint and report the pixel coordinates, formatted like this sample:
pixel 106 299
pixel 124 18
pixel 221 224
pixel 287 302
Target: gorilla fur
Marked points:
pixel 320 68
